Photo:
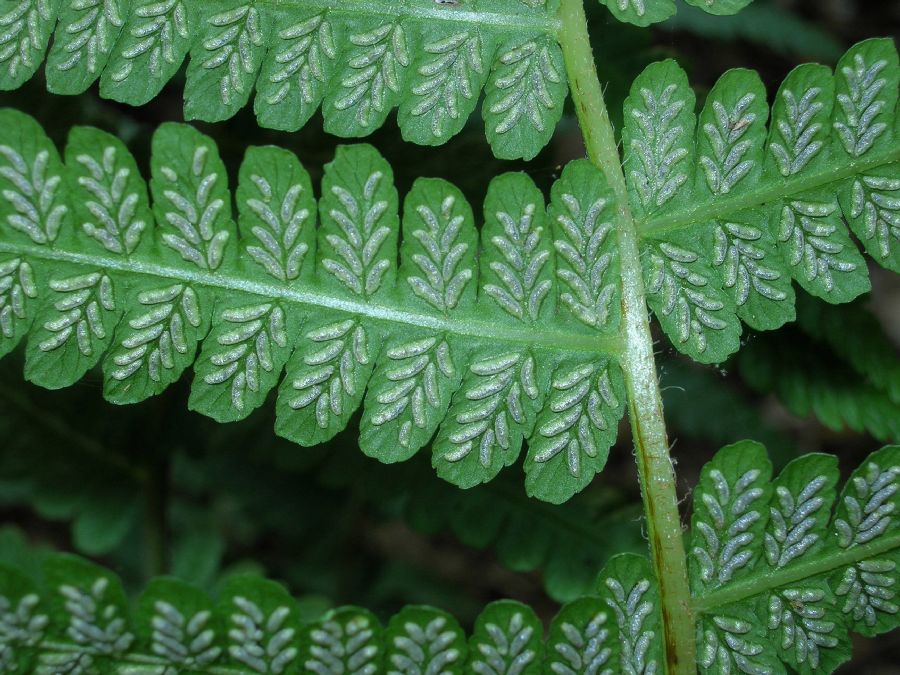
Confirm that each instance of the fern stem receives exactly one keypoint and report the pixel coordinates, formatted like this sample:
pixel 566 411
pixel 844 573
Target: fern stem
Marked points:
pixel 655 470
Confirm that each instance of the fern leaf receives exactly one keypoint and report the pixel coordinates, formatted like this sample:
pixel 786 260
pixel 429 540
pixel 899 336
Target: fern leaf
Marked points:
pixel 178 623
pixel 416 374
pixel 347 640
pixel 424 640
pixel 728 217
pixel 225 59
pixel 430 60
pixel 815 562
pixel 149 51
pixel 495 408
pixel 521 107
pixel 627 586
pixel 773 548
pixel 93 271
pixel 300 62
pixel 506 639
pixel 263 626
pixel 522 347
pixel 640 12
pixel 85 36
pixel 27 27
pixel 580 640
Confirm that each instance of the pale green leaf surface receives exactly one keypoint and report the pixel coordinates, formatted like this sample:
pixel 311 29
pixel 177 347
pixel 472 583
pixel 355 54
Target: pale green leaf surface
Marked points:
pixel 151 47
pixel 629 588
pixel 301 60
pixel 148 294
pixel 495 407
pixel 346 640
pixel 524 96
pixel 263 626
pixel 85 36
pixel 759 208
pixel 359 62
pixel 484 348
pixel 28 25
pixel 176 621
pixel 640 12
pixel 506 638
pixel 225 58
pixel 581 639
pixel 647 12
pixel 722 7
pixel 814 576
pixel 421 640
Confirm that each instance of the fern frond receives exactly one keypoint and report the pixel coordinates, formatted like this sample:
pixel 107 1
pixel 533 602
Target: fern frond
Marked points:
pixel 816 563
pixel 357 61
pixel 776 549
pixel 96 275
pixel 79 618
pixel 730 215
pixel 481 351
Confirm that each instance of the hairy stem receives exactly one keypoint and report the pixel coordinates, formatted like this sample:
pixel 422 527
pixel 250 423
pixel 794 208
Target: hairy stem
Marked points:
pixel 655 470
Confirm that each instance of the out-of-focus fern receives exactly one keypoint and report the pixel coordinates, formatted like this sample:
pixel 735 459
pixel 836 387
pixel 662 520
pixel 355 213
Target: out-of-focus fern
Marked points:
pixel 810 378
pixel 705 405
pixel 856 337
pixel 766 24
pixel 102 507
pixel 262 489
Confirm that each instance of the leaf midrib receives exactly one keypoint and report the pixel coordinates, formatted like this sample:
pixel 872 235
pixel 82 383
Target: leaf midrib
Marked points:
pixel 772 189
pixel 545 23
pixel 304 293
pixel 820 563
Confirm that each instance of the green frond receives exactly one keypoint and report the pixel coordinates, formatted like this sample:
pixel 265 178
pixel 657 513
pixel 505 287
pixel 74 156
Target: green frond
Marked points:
pixel 776 549
pixel 480 341
pixel 358 61
pixel 730 215
pixel 444 343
